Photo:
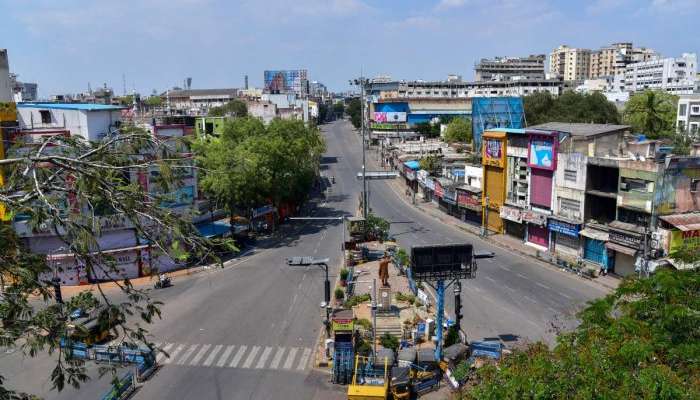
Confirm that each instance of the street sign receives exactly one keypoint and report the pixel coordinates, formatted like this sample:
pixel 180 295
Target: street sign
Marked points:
pixel 374 175
pixel 446 261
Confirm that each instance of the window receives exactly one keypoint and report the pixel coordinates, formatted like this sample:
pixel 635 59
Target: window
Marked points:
pixel 570 175
pixel 637 185
pixel 569 207
pixel 209 128
pixel 694 128
pixel 694 185
pixel 45 116
pixel 694 110
pixel 682 110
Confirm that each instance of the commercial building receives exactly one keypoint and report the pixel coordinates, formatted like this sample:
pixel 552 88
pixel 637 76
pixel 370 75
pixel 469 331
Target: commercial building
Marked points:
pixel 197 101
pixel 673 75
pixel 688 117
pixel 23 91
pixel 570 63
pixel 516 87
pixel 612 60
pixel 506 68
pixel 90 121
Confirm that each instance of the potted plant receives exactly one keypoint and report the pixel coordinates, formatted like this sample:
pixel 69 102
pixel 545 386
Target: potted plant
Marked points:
pixel 344 276
pixel 339 295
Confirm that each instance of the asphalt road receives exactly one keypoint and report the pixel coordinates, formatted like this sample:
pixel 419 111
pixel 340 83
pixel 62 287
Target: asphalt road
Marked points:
pixel 247 331
pixel 513 298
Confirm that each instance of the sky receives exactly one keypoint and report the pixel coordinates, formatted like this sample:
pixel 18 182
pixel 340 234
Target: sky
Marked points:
pixel 64 45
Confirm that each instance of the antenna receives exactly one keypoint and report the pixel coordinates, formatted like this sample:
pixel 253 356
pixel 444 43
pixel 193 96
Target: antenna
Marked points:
pixel 124 83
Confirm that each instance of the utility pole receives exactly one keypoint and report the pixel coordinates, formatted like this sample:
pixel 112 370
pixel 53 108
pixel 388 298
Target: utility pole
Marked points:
pixel 485 217
pixel 362 130
pixel 374 316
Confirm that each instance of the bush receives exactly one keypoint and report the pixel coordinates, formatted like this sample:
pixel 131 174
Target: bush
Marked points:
pixel 339 294
pixel 363 347
pixel 365 323
pixel 344 274
pixel 452 336
pixel 389 341
pixel 409 298
pixel 355 300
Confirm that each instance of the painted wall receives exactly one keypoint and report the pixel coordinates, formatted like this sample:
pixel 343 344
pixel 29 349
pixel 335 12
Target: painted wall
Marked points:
pixel 674 195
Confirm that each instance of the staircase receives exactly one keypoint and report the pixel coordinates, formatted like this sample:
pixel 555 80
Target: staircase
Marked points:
pixel 391 325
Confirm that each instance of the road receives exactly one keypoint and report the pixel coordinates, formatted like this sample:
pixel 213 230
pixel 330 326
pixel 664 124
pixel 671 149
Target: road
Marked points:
pixel 247 331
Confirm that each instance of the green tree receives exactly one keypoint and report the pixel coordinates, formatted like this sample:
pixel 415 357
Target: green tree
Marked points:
pixel 354 110
pixel 688 252
pixel 652 113
pixel 537 107
pixel 427 129
pixel 377 227
pixel 459 130
pixel 235 108
pixel 70 186
pixel 389 341
pixel 640 342
pixel 339 109
pixel 430 163
pixel 154 101
pixel 542 107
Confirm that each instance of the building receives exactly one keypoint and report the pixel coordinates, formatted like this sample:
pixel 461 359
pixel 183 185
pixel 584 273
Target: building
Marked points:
pixel 493 158
pixel 506 68
pixel 6 87
pixel 8 116
pixel 612 60
pixel 294 81
pixel 688 117
pixel 570 63
pixel 24 91
pixel 673 75
pixel 90 121
pixel 197 101
pixel 515 87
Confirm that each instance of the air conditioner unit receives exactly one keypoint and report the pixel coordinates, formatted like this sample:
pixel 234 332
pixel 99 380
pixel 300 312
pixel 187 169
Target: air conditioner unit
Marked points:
pixel 624 186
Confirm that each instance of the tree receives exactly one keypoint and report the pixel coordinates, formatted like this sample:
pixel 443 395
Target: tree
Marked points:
pixel 154 101
pixel 354 110
pixel 640 342
pixel 688 252
pixel 652 113
pixel 339 109
pixel 459 130
pixel 235 108
pixel 70 186
pixel 430 163
pixel 427 129
pixel 542 107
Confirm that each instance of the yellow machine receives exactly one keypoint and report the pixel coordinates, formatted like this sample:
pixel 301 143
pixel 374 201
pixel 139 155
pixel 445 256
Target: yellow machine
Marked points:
pixel 370 380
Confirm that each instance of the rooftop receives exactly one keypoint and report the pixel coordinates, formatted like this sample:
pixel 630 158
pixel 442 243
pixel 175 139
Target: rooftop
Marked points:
pixel 72 106
pixel 202 92
pixel 580 129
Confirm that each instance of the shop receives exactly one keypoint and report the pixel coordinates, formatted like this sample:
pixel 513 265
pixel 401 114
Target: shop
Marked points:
pixel 469 202
pixel 594 250
pixel 513 222
pixel 409 173
pixel 537 232
pixel 493 158
pixel 564 236
pixel 626 240
pixel 448 201
pixel 683 229
pixel 542 160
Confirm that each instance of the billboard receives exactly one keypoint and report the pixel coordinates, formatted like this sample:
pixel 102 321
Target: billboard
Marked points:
pixel 496 112
pixel 493 151
pixel 542 152
pixel 444 261
pixel 380 116
pixel 286 81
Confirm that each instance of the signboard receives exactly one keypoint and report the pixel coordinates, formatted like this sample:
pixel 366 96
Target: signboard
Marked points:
pixel 679 237
pixel 564 227
pixel 626 239
pixel 534 217
pixel 409 173
pixel 285 81
pixel 494 152
pixel 384 117
pixel 542 152
pixel 511 214
pixel 343 325
pixel 387 126
pixel 467 201
pixel 374 175
pixel 448 261
pixel 430 183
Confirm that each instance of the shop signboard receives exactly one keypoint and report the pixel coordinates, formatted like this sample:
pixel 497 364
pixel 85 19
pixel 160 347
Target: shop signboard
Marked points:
pixel 494 152
pixel 409 173
pixel 430 183
pixel 534 217
pixel 467 201
pixel 343 325
pixel 542 152
pixel 511 214
pixel 628 239
pixel 386 117
pixel 679 237
pixel 564 227
pixel 421 177
pixel 438 189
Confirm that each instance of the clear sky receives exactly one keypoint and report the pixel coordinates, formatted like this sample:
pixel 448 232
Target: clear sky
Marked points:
pixel 64 44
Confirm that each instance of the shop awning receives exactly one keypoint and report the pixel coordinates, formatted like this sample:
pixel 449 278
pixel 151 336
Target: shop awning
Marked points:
pixel 621 249
pixel 61 256
pixel 684 222
pixel 214 229
pixel 412 164
pixel 595 234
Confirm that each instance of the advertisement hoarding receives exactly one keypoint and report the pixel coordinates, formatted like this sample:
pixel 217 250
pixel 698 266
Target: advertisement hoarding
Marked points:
pixel 285 81
pixel 542 152
pixel 494 152
pixel 385 117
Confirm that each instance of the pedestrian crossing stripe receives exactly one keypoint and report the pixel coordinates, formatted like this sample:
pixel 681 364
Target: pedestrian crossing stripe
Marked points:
pixel 235 356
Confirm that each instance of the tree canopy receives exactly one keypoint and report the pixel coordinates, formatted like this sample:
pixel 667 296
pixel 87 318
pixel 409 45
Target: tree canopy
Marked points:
pixel 153 101
pixel 542 107
pixel 427 129
pixel 430 163
pixel 71 187
pixel 652 113
pixel 459 130
pixel 640 342
pixel 234 108
pixel 354 110
pixel 251 164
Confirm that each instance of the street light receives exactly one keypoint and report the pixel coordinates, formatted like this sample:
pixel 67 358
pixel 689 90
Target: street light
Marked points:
pixel 323 264
pixel 361 82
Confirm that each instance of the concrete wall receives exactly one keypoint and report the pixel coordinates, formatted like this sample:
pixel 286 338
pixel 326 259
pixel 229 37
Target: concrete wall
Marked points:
pixel 6 93
pixel 674 195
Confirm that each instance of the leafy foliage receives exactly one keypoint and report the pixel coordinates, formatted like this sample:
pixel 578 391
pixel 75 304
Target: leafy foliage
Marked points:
pixel 235 108
pixel 72 187
pixel 430 163
pixel 688 252
pixel 377 227
pixel 250 163
pixel 459 130
pixel 640 342
pixel 542 107
pixel 389 341
pixel 355 300
pixel 652 113
pixel 154 101
pixel 339 108
pixel 354 110
pixel 427 129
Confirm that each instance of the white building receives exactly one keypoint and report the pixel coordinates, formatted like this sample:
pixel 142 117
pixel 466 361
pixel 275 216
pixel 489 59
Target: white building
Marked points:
pixel 91 121
pixel 197 101
pixel 570 63
pixel 673 75
pixel 5 82
pixel 688 118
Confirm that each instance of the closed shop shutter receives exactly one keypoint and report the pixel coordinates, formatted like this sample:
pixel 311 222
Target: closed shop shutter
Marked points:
pixel 595 251
pixel 624 264
pixel 541 188
pixel 566 243
pixel 537 235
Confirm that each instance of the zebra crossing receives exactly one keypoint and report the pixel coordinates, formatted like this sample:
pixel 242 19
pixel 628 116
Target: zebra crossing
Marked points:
pixel 254 357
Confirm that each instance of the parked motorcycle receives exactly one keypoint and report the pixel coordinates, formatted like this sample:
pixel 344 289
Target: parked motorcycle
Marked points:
pixel 163 282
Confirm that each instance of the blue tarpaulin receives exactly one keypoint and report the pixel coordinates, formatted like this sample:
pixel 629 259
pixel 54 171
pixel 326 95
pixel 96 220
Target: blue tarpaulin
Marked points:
pixel 414 165
pixel 213 229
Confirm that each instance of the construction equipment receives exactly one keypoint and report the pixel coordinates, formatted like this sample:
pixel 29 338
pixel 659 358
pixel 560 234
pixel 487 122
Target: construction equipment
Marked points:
pixel 370 380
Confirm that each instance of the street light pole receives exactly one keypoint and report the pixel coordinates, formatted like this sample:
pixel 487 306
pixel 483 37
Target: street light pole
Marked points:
pixel 362 130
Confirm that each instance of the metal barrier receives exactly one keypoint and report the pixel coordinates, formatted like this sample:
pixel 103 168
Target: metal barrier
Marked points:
pixel 122 388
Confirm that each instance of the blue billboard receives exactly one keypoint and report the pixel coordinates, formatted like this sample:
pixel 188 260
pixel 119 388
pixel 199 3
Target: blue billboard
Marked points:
pixel 286 81
pixel 496 112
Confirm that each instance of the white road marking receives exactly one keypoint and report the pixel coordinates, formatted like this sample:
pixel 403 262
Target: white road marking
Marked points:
pixel 490 279
pixel 249 361
pixel 290 358
pixel 212 355
pixel 530 299
pixel 263 358
pixel 224 357
pixel 238 356
pixel 166 348
pixel 173 354
pixel 304 359
pixel 278 357
pixel 187 354
pixel 509 288
pixel 521 275
pixel 552 310
pixel 200 354
pixel 562 294
pixel 501 266
pixel 543 285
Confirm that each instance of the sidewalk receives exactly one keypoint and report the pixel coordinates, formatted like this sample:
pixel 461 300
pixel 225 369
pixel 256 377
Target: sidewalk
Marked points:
pixel 503 241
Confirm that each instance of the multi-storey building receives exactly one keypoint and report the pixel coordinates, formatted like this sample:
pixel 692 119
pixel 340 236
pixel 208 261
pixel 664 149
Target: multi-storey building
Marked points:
pixel 197 101
pixel 570 63
pixel 674 75
pixel 6 86
pixel 505 68
pixel 688 118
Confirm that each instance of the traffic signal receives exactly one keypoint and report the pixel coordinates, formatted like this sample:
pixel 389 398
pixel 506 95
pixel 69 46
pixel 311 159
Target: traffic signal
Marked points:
pixel 458 303
pixel 57 290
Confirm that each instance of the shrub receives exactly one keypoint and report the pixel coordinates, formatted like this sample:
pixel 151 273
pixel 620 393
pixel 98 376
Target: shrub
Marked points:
pixel 339 294
pixel 389 341
pixel 409 298
pixel 365 323
pixel 355 300
pixel 344 274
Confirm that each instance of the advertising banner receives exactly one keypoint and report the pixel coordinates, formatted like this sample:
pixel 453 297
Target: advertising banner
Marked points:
pixel 285 81
pixel 511 214
pixel 564 227
pixel 494 152
pixel 343 325
pixel 534 217
pixel 467 201
pixel 384 117
pixel 542 152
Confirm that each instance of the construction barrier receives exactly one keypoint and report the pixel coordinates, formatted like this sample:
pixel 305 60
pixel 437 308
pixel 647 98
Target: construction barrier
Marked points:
pixel 122 388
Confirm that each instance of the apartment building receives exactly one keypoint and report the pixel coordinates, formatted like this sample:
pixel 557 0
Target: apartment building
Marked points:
pixel 506 68
pixel 677 75
pixel 570 63
pixel 688 118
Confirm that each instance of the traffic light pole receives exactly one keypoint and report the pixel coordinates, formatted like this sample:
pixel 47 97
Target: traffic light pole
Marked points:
pixel 440 293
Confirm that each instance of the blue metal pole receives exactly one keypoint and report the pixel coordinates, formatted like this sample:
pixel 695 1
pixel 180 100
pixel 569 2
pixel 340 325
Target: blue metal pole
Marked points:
pixel 438 318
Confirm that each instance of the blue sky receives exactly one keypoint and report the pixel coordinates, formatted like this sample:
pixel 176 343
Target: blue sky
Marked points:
pixel 63 45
